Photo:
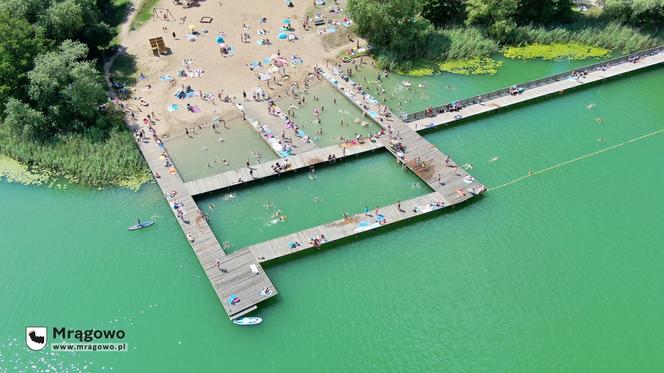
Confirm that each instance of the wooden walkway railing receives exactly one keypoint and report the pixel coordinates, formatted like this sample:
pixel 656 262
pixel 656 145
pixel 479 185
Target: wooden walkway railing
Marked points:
pixel 596 67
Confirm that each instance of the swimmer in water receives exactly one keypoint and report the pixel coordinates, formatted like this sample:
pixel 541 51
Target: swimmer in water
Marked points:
pixel 204 148
pixel 316 199
pixel 599 120
pixel 601 139
pixel 590 106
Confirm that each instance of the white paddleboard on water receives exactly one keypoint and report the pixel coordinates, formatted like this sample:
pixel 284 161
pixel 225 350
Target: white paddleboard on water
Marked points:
pixel 248 321
pixel 143 224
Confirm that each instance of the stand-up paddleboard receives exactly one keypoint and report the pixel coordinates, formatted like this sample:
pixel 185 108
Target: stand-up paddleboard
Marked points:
pixel 248 321
pixel 143 224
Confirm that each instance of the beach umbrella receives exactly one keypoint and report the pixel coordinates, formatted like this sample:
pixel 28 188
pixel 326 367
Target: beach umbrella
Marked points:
pixel 286 21
pixel 282 35
pixel 191 27
pixel 220 39
pixel 279 63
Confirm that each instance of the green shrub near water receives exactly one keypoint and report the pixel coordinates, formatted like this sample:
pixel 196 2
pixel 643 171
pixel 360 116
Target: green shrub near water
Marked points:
pixel 466 42
pixel 453 44
pixel 113 161
pixel 402 34
pixel 613 36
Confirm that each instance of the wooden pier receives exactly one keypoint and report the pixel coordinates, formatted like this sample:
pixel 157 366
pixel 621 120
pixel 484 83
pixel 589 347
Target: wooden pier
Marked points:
pixel 340 229
pixel 319 155
pixel 552 88
pixel 264 170
pixel 258 111
pixel 238 274
pixel 436 169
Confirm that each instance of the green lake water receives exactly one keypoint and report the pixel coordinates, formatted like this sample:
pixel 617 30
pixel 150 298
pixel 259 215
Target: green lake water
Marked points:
pixel 561 271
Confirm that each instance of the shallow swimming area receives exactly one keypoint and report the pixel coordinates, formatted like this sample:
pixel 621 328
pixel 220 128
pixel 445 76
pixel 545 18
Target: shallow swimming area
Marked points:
pixel 438 89
pixel 203 152
pixel 293 202
pixel 339 118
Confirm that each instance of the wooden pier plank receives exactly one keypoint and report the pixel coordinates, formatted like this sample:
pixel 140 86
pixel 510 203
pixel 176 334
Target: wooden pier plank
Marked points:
pixel 536 92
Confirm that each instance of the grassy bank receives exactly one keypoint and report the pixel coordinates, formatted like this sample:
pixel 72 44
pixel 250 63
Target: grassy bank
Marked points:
pixel 612 36
pixel 143 13
pixel 463 46
pixel 114 161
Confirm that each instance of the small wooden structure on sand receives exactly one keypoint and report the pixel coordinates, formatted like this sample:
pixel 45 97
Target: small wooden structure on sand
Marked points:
pixel 158 46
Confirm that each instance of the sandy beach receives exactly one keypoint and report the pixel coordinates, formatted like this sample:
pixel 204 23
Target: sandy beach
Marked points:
pixel 196 52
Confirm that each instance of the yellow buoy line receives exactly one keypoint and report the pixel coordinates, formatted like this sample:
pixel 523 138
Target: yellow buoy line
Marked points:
pixel 576 159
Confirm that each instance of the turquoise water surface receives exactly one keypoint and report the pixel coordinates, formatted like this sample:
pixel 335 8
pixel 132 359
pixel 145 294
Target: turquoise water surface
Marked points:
pixel 560 271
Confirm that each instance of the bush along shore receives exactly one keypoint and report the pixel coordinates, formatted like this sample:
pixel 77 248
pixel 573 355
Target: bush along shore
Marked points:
pixel 421 37
pixel 55 116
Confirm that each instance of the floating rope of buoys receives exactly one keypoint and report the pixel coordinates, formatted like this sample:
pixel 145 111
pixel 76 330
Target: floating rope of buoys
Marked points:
pixel 575 160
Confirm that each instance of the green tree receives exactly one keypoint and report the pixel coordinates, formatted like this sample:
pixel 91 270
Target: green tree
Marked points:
pixel 384 20
pixel 543 11
pixel 637 12
pixel 25 122
pixel 444 12
pixel 394 28
pixel 496 15
pixel 62 20
pixel 67 89
pixel 28 10
pixel 19 44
